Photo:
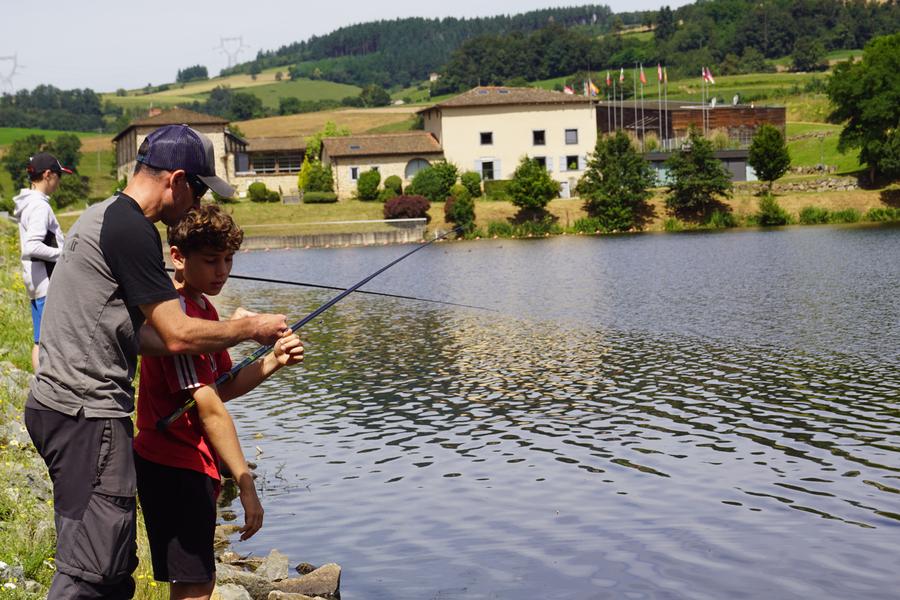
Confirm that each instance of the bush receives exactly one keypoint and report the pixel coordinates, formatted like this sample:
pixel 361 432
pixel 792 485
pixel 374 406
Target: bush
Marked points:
pixel 394 183
pixel 697 178
pixel 472 181
pixel 532 187
pixel 386 194
pixel 497 189
pixel 849 215
pixel 367 185
pixel 320 178
pixel 500 229
pixel 770 213
pixel 673 224
pixel 407 207
pixel 883 215
pixel 434 182
pixel 588 225
pixel 319 197
pixel 461 211
pixel 258 192
pixel 721 219
pixel 525 229
pixel 813 215
pixel 273 196
pixel 459 191
pixel 72 188
pixel 222 199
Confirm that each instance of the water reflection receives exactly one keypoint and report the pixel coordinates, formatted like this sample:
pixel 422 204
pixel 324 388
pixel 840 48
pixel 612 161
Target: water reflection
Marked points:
pixel 524 457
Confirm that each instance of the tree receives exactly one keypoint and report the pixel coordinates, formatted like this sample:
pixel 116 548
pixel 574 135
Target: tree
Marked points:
pixel 303 175
pixel 314 141
pixel 698 177
pixel 321 178
pixel 866 97
pixel 245 106
pixel 532 188
pixel 616 183
pixel 808 55
pixel 191 74
pixel 289 106
pixel 66 147
pixel 769 154
pixel 665 24
pixel 374 95
pixel 367 185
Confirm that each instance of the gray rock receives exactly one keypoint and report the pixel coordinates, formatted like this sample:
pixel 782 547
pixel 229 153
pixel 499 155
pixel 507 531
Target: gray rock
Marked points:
pixel 230 591
pixel 221 536
pixel 324 581
pixel 276 595
pixel 33 587
pixel 305 568
pixel 274 567
pixel 228 515
pixel 258 587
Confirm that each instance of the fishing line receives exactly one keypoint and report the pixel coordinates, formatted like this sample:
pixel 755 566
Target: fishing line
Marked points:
pixel 163 423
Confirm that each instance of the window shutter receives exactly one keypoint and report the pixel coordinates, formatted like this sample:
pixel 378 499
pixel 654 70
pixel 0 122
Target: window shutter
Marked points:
pixel 498 174
pixel 563 166
pixel 478 167
pixel 549 163
pixel 581 162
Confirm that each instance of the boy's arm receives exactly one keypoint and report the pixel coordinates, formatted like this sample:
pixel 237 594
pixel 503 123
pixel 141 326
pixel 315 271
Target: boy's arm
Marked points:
pixel 288 351
pixel 35 225
pixel 222 435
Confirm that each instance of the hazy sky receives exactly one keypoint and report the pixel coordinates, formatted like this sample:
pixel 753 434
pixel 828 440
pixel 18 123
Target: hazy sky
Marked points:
pixel 105 44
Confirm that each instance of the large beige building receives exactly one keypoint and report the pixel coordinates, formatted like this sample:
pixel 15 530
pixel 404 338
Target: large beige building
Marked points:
pixel 490 129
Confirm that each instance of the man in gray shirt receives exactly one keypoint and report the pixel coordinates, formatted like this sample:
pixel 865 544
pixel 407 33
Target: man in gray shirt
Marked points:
pixel 109 279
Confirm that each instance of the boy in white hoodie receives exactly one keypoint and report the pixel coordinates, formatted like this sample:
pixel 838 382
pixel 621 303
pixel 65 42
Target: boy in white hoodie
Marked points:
pixel 40 237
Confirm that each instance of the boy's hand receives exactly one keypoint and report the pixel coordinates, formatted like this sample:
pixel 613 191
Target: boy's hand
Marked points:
pixel 268 328
pixel 289 349
pixel 253 510
pixel 242 313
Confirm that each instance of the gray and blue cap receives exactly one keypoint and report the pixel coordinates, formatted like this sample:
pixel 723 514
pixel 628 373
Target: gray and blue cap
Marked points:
pixel 174 147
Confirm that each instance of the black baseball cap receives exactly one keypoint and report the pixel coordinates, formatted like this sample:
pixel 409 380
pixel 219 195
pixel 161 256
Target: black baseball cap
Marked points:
pixel 44 161
pixel 174 147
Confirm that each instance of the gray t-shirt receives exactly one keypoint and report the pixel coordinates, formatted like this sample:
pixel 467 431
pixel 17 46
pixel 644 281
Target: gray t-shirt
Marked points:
pixel 110 265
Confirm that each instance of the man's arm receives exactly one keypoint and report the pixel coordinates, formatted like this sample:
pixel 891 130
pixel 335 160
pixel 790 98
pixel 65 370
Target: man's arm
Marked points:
pixel 222 435
pixel 177 333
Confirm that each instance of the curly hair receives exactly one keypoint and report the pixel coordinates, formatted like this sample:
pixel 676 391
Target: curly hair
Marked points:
pixel 206 227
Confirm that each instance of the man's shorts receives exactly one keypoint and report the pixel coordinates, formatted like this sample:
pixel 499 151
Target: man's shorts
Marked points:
pixel 92 470
pixel 37 311
pixel 179 508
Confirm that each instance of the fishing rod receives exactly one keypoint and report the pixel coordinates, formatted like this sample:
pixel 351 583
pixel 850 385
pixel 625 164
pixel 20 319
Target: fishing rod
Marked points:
pixel 164 423
pixel 340 289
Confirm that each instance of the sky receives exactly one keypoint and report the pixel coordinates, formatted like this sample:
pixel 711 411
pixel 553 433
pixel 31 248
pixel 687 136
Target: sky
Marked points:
pixel 106 44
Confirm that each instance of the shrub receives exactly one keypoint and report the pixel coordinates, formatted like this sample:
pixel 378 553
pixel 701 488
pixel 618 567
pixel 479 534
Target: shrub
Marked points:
pixel 394 183
pixel 258 192
pixel 883 214
pixel 386 194
pixel 461 211
pixel 320 178
pixel 721 219
pixel 532 187
pixel 407 207
pixel 525 229
pixel 273 196
pixel 222 199
pixel 319 197
pixel 499 229
pixel 769 154
pixel 497 189
pixel 72 188
pixel 696 178
pixel 849 215
pixel 770 212
pixel 588 225
pixel 367 185
pixel 673 224
pixel 434 182
pixel 460 191
pixel 472 181
pixel 813 215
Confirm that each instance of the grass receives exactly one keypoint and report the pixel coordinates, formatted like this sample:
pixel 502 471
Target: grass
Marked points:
pixel 358 120
pixel 304 89
pixel 812 144
pixel 8 135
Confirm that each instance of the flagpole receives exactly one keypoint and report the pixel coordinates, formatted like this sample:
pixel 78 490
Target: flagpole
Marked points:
pixel 659 113
pixel 642 108
pixel 666 93
pixel 634 79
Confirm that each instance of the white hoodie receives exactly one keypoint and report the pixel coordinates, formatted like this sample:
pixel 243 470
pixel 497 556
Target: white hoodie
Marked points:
pixel 36 220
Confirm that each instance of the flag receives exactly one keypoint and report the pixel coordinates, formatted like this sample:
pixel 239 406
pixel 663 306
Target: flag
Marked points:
pixel 665 75
pixel 608 79
pixel 594 89
pixel 585 88
pixel 703 74
pixel 568 90
pixel 709 76
pixel 659 72
pixel 622 75
pixel 643 77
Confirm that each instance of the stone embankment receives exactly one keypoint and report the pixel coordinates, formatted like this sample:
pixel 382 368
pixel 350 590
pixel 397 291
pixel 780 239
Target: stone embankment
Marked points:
pixel 820 184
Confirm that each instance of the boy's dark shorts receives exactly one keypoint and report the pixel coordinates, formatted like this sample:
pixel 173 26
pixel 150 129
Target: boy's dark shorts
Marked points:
pixel 180 514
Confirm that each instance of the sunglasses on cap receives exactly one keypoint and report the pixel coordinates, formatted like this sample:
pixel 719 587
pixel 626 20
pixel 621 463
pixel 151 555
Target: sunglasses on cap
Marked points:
pixel 198 188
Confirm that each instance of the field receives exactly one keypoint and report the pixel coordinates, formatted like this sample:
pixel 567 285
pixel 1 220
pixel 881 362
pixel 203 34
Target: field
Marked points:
pixel 304 89
pixel 10 134
pixel 358 120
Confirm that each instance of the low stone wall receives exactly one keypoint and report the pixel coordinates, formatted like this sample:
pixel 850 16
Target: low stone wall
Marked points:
pixel 821 184
pixel 331 240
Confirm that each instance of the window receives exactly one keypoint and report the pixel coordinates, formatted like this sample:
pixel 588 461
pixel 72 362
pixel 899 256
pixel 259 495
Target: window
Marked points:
pixel 487 170
pixel 414 166
pixel 572 162
pixel 541 160
pixel 375 168
pixel 538 137
pixel 571 136
pixel 487 138
pixel 354 173
pixel 274 162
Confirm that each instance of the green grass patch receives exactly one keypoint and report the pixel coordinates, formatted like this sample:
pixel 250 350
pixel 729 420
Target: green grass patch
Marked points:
pixel 399 127
pixel 304 89
pixel 821 150
pixel 8 135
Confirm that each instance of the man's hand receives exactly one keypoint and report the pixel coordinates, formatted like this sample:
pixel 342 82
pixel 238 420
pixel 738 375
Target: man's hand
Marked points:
pixel 268 328
pixel 289 349
pixel 253 510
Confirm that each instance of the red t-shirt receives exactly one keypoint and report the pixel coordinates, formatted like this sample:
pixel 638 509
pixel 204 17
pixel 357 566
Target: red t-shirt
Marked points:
pixel 166 384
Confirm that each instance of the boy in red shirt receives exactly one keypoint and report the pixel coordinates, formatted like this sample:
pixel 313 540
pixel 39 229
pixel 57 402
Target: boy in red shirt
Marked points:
pixel 178 469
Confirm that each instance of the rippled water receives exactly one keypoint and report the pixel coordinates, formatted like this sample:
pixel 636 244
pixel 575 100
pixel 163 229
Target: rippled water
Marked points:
pixel 655 416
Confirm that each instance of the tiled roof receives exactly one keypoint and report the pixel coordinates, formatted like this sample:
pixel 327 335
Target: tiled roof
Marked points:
pixel 418 142
pixel 175 116
pixel 272 144
pixel 497 96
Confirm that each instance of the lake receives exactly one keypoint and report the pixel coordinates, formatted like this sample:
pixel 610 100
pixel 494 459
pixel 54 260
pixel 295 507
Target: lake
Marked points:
pixel 709 415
